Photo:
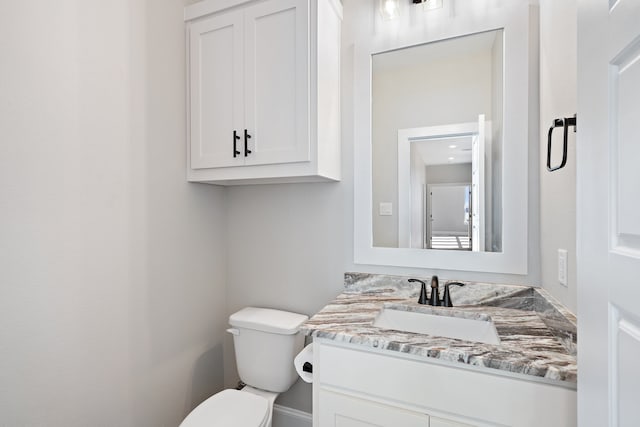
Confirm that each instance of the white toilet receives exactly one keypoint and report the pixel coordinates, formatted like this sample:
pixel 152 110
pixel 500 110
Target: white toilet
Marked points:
pixel 266 342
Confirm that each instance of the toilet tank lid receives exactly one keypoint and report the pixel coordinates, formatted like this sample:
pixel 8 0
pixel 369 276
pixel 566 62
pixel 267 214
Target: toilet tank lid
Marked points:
pixel 267 320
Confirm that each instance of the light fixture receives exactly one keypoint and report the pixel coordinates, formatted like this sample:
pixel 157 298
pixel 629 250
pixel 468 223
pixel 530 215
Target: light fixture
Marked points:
pixel 389 9
pixel 453 146
pixel 429 4
pixel 451 158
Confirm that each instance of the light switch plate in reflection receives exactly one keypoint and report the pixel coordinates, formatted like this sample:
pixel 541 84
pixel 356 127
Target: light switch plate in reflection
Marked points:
pixel 386 209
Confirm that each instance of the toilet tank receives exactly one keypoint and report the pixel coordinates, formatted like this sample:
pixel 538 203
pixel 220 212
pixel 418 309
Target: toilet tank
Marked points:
pixel 266 342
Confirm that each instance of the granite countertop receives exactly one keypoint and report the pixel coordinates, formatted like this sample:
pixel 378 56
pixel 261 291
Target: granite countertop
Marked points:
pixel 537 334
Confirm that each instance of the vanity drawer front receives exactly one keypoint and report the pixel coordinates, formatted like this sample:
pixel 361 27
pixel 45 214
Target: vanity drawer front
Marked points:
pixel 341 410
pixel 477 397
pixel 390 378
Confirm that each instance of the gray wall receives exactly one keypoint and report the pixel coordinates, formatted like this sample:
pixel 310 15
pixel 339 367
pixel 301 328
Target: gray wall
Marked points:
pixel 447 174
pixel 448 214
pixel 286 249
pixel 289 245
pixel 112 267
pixel 453 203
pixel 497 115
pixel 558 98
pixel 113 301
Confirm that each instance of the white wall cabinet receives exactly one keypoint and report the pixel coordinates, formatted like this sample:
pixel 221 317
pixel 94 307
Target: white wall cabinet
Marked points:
pixel 356 386
pixel 264 91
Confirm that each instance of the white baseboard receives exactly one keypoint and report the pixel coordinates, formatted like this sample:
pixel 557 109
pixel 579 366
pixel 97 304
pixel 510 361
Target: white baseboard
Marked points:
pixel 289 417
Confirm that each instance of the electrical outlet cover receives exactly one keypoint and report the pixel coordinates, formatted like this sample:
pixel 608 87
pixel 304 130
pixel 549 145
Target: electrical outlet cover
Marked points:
pixel 562 266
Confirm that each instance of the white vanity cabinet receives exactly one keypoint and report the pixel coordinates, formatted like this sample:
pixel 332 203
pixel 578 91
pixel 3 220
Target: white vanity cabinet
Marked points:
pixel 357 386
pixel 344 410
pixel 439 422
pixel 263 91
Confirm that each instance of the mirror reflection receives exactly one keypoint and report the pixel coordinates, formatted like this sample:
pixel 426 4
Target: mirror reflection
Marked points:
pixel 437 145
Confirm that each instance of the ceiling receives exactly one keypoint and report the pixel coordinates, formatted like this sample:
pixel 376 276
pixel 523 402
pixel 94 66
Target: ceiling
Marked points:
pixel 443 151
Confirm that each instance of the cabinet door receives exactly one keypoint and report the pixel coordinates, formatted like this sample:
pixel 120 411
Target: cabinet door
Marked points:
pixel 216 93
pixel 277 81
pixel 439 422
pixel 339 410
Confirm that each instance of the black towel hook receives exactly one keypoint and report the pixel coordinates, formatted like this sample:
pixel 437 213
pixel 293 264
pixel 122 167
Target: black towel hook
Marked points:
pixel 563 123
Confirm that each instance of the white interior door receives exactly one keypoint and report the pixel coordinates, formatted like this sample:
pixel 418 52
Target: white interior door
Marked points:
pixel 608 205
pixel 215 46
pixel 425 218
pixel 477 188
pixel 276 81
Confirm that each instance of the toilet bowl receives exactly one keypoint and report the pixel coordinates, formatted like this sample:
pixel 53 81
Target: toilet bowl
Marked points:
pixel 230 407
pixel 266 342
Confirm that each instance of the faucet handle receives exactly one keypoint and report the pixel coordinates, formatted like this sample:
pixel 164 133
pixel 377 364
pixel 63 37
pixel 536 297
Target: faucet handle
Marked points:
pixel 446 298
pixel 423 291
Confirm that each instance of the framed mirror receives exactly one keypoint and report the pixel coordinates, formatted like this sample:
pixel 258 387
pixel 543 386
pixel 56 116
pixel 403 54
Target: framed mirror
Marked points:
pixel 442 121
pixel 434 154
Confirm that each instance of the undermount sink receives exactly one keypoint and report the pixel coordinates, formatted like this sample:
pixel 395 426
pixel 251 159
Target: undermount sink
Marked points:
pixel 438 325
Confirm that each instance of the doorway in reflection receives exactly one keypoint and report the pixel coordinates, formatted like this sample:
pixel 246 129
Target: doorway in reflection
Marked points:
pixel 445 187
pixel 448 208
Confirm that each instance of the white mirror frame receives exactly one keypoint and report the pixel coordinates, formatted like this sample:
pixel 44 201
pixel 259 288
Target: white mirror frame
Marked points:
pixel 514 16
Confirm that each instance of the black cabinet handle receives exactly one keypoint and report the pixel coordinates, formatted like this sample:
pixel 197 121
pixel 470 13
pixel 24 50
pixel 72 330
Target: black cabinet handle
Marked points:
pixel 246 142
pixel 235 150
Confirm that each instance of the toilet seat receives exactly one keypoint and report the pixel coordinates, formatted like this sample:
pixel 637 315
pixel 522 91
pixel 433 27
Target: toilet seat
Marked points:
pixel 230 408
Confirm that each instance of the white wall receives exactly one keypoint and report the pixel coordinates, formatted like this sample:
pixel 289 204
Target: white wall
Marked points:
pixel 112 267
pixel 558 98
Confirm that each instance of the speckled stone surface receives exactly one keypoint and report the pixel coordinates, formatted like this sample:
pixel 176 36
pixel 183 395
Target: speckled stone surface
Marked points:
pixel 537 334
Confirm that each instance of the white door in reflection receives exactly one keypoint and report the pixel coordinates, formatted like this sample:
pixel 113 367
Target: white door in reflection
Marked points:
pixel 478 187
